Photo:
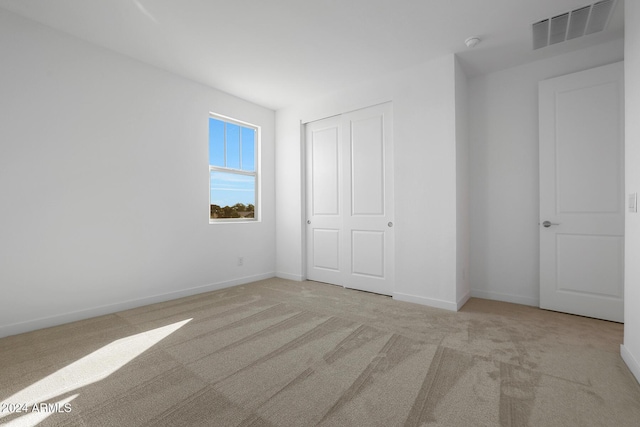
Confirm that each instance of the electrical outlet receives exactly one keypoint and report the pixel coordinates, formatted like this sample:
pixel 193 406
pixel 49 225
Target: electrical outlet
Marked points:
pixel 240 261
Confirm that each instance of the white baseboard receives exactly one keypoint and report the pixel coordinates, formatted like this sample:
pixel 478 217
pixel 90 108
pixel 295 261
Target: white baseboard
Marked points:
pixel 463 300
pixel 289 276
pixel 632 363
pixel 516 299
pixel 431 302
pixel 59 319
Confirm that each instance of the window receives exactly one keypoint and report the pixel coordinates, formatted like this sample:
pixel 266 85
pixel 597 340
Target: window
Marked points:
pixel 233 177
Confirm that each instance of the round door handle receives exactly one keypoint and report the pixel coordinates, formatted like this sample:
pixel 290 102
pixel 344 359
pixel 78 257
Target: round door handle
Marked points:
pixel 390 224
pixel 308 221
pixel 548 224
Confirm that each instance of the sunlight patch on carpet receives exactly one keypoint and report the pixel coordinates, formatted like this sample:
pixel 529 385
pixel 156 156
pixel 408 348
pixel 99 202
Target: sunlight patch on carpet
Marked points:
pixel 90 369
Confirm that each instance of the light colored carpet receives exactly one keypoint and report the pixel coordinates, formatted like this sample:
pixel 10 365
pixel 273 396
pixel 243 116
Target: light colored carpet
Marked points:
pixel 282 353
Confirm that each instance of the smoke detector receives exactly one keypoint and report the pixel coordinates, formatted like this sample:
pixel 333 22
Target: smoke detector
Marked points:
pixel 472 42
pixel 573 24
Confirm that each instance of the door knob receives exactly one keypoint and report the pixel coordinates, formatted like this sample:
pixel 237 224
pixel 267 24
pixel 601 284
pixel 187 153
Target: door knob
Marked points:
pixel 390 224
pixel 548 224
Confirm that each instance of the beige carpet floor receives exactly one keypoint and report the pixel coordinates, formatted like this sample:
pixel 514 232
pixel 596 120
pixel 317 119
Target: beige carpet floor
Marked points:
pixel 282 353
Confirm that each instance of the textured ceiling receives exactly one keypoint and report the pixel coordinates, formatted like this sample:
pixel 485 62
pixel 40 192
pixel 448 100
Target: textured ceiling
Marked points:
pixel 281 52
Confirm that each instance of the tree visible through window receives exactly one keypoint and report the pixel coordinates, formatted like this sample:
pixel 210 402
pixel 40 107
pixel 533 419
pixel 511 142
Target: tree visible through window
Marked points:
pixel 232 169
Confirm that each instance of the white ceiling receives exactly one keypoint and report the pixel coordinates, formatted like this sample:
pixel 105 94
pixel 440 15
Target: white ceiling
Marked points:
pixel 281 52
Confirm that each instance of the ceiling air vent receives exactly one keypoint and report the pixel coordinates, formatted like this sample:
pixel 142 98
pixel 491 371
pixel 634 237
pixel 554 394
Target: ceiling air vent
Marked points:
pixel 571 25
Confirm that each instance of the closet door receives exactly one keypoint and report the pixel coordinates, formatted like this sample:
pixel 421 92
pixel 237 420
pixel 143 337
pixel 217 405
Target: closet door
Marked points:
pixel 324 196
pixel 350 234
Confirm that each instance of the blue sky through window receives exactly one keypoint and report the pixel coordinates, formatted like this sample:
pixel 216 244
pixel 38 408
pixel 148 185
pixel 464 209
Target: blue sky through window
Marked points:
pixel 227 189
pixel 216 149
pixel 231 146
pixel 248 149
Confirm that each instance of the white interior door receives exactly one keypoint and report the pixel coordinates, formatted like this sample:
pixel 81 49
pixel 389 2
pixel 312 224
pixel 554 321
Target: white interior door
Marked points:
pixel 582 193
pixel 324 197
pixel 368 195
pixel 349 188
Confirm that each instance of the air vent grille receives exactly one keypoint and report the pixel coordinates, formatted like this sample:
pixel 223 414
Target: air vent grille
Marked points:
pixel 558 32
pixel 579 19
pixel 571 25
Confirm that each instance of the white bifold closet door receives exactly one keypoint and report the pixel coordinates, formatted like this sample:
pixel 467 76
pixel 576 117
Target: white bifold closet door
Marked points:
pixel 349 200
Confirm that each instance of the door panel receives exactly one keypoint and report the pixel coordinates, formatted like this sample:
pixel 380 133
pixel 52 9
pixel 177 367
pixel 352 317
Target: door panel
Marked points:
pixel 587 164
pixel 368 253
pixel 325 175
pixel 349 193
pixel 595 279
pixel 324 201
pixel 367 172
pixel 582 193
pixel 326 249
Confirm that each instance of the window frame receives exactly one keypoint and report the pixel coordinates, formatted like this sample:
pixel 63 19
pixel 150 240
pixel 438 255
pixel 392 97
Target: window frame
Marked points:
pixel 255 173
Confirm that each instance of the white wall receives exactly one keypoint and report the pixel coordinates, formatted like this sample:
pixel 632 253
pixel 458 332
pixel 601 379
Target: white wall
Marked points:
pixel 104 183
pixel 463 287
pixel 631 349
pixel 503 132
pixel 423 100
